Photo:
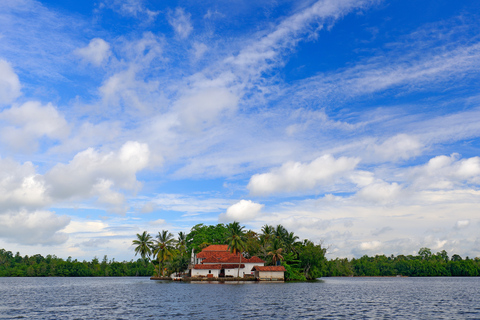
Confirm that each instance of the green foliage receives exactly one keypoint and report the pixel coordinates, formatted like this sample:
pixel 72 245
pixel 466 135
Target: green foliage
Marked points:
pixel 425 264
pixel 51 266
pixel 201 236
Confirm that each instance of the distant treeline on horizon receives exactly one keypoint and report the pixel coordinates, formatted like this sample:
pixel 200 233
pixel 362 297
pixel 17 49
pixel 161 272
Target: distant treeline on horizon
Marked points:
pixel 425 264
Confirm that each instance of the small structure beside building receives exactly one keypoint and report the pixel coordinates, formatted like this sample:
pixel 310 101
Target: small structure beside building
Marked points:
pixel 269 273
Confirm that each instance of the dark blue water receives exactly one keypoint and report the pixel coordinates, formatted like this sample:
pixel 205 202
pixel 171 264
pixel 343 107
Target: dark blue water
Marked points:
pixel 332 298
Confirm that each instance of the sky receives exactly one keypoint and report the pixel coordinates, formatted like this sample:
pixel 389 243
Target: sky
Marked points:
pixel 353 123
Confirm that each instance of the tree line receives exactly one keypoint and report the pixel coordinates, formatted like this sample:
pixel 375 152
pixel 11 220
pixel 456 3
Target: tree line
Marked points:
pixel 164 254
pixel 51 266
pixel 424 264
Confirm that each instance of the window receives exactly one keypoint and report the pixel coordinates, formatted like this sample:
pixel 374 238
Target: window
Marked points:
pixel 209 271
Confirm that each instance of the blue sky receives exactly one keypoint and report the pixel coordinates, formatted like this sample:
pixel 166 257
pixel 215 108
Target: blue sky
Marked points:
pixel 351 123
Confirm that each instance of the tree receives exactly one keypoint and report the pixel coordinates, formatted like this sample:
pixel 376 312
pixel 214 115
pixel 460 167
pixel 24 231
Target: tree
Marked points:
pixel 290 242
pixel 182 242
pixel 164 248
pixel 201 236
pixel 275 251
pixel 143 244
pixel 311 259
pixel 425 253
pixel 236 241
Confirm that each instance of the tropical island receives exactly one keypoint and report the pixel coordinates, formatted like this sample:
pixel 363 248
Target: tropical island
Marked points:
pixel 165 255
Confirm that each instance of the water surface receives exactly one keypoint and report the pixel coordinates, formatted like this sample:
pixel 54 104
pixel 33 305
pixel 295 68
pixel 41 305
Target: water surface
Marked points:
pixel 331 298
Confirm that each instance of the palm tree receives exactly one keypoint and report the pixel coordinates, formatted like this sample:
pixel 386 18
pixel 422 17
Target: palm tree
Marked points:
pixel 267 233
pixel 236 240
pixel 143 244
pixel 290 242
pixel 164 248
pixel 280 232
pixel 182 242
pixel 275 251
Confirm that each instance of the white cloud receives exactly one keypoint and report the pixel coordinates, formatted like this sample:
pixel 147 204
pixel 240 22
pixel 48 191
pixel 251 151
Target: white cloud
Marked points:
pixel 370 245
pixel 380 192
pixel 244 210
pixel 97 51
pixel 443 172
pixel 93 174
pixel 180 21
pixel 199 50
pixel 296 176
pixel 33 228
pixel 401 146
pixel 9 83
pixel 131 8
pixel 21 187
pixel 460 224
pixel 148 207
pixel 205 107
pixel 26 123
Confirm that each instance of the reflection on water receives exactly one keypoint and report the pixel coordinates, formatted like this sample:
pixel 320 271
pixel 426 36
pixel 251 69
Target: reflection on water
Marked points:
pixel 332 298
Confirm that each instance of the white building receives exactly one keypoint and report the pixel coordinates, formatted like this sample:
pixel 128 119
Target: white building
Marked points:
pixel 216 261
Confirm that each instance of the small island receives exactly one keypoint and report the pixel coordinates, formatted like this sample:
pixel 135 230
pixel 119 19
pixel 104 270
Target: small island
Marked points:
pixel 228 252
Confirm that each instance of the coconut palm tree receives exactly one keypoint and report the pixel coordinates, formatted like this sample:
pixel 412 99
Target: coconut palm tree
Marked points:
pixel 143 245
pixel 237 242
pixel 290 242
pixel 164 248
pixel 267 234
pixel 275 251
pixel 280 232
pixel 182 242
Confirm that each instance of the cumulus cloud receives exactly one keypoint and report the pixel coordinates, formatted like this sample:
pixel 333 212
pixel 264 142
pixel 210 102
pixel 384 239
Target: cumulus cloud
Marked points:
pixel 97 51
pixel 380 191
pixel 180 21
pixel 24 124
pixel 33 228
pixel 370 245
pixel 244 210
pixel 9 83
pixel 401 146
pixel 20 186
pixel 95 174
pixel 296 176
pixel 446 172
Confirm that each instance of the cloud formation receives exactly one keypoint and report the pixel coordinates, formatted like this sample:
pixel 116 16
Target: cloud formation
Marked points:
pixel 180 21
pixel 242 211
pixel 296 176
pixel 97 52
pixel 9 83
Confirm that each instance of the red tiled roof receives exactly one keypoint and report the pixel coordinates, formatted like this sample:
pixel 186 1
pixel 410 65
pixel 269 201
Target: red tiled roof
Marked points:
pixel 254 259
pixel 269 268
pixel 219 253
pixel 207 266
pixel 215 254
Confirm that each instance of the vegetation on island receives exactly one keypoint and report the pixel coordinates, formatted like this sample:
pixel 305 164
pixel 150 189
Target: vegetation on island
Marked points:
pixel 164 254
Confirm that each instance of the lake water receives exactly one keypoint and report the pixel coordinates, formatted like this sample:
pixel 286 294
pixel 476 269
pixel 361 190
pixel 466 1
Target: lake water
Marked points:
pixel 331 298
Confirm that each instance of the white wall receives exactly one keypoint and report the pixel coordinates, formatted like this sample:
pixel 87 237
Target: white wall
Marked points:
pixel 204 272
pixel 270 274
